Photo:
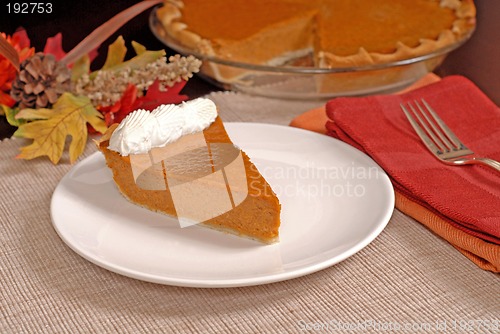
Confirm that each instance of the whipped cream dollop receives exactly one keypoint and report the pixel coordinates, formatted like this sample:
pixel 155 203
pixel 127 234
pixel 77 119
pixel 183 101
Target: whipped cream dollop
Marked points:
pixel 143 130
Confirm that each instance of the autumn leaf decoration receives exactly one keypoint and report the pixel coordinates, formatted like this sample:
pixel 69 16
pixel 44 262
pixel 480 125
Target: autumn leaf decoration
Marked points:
pixel 92 101
pixel 49 128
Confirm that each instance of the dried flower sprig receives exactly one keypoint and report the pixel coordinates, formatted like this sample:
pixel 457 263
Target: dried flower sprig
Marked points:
pixel 108 86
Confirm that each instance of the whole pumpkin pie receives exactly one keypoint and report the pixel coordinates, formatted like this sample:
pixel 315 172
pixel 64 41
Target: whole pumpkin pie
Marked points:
pixel 180 161
pixel 335 33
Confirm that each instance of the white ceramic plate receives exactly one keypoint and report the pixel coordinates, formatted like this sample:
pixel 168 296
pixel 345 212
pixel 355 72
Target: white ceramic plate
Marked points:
pixel 335 201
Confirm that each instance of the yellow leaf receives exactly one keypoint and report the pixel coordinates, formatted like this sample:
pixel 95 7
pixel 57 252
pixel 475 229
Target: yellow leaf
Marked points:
pixel 32 114
pixel 138 48
pixel 116 53
pixel 10 115
pixel 80 67
pixel 69 118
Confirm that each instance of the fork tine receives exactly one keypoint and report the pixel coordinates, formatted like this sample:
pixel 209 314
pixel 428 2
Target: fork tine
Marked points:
pixel 458 144
pixel 444 140
pixel 421 132
pixel 442 146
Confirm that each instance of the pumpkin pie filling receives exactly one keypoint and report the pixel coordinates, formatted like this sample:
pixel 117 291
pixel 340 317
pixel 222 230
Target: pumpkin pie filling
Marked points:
pixel 379 25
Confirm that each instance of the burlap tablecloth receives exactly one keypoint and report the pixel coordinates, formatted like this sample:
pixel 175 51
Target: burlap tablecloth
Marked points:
pixel 407 280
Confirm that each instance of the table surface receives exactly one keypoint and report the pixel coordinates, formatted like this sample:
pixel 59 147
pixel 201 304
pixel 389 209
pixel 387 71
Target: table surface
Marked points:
pixel 407 278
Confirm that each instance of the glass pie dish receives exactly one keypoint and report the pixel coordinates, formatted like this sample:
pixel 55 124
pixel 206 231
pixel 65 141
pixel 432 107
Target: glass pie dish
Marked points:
pixel 299 81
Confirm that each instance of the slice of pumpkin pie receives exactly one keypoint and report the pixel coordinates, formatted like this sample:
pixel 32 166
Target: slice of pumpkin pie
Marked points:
pixel 179 160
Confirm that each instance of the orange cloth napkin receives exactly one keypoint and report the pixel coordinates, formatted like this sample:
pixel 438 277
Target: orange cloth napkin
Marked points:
pixel 460 204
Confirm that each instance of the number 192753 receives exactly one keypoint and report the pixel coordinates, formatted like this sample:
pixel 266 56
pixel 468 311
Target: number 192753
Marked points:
pixel 29 7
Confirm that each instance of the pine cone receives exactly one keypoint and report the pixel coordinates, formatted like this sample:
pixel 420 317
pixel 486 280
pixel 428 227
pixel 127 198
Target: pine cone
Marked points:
pixel 40 81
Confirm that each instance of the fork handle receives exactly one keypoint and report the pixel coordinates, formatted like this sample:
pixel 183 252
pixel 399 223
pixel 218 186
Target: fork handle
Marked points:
pixel 487 162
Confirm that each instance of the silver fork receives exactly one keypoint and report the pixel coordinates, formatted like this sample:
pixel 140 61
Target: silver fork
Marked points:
pixel 439 139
